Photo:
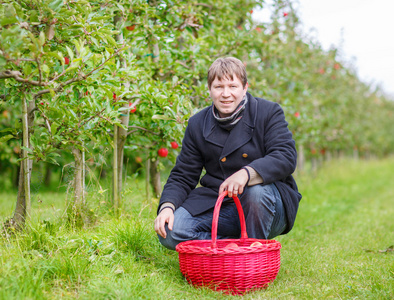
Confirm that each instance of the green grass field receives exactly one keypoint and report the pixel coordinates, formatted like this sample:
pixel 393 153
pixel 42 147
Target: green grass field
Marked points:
pixel 338 249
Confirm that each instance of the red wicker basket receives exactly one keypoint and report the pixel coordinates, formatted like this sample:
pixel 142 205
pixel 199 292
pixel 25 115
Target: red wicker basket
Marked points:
pixel 233 269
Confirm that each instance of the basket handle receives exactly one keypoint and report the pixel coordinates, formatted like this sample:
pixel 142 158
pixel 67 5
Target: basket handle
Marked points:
pixel 215 218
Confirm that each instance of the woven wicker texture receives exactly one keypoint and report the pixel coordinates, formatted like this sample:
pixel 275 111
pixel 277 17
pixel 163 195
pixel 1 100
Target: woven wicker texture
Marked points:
pixel 231 265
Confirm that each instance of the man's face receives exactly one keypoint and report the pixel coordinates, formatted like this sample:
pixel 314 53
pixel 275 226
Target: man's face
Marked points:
pixel 226 94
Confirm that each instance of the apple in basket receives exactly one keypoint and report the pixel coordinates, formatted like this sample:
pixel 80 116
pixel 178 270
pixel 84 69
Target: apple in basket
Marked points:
pixel 231 245
pixel 256 244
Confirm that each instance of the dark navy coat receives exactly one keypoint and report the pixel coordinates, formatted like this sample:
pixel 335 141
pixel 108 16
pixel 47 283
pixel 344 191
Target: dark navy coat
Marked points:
pixel 261 140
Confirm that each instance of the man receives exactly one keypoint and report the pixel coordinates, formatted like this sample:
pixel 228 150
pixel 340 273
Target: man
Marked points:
pixel 246 149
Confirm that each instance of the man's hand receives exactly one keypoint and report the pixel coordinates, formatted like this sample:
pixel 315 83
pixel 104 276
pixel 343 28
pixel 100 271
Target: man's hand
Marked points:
pixel 165 216
pixel 235 184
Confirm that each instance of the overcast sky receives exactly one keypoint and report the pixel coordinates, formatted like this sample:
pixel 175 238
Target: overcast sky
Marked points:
pixel 361 29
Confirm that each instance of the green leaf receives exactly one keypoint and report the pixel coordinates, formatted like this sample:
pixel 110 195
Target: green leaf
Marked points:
pixel 45 68
pixel 42 38
pixel 27 149
pixel 54 127
pixel 161 117
pixel 6 138
pixel 9 16
pixel 70 53
pixel 56 5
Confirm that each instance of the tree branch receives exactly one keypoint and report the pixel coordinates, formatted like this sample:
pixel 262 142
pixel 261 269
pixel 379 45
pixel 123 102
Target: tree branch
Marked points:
pixel 141 128
pixel 17 76
pixel 100 66
pixel 95 115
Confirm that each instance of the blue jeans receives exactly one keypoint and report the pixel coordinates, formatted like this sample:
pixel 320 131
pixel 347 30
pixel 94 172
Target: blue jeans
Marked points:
pixel 264 216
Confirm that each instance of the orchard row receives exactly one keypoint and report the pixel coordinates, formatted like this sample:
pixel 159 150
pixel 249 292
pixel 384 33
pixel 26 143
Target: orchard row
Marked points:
pixel 82 77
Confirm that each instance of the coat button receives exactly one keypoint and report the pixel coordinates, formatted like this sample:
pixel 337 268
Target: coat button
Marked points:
pixel 245 155
pixel 223 159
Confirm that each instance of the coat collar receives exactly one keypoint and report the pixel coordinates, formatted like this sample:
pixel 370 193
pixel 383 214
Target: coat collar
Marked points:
pixel 238 136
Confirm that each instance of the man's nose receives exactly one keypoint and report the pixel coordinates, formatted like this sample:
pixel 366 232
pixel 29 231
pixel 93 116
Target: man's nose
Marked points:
pixel 226 92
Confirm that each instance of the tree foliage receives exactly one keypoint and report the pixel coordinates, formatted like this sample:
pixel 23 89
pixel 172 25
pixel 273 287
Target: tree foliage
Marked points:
pixel 71 59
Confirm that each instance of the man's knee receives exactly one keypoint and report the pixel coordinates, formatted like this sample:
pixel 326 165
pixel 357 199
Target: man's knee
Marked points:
pixel 181 229
pixel 258 195
pixel 169 241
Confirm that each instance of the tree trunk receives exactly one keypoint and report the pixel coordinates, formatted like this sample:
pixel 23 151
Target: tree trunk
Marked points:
pixel 120 135
pixel 328 155
pixel 23 204
pixel 15 174
pixel 48 175
pixel 120 141
pixel 314 164
pixel 355 153
pixel 76 215
pixel 115 172
pixel 147 180
pixel 155 180
pixel 20 214
pixel 78 187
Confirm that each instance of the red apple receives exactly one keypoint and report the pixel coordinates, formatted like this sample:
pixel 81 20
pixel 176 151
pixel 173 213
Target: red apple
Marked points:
pixel 231 245
pixel 130 28
pixel 337 66
pixel 321 71
pixel 138 159
pixel 285 14
pixel 258 29
pixel 66 60
pixel 174 145
pixel 114 96
pixel 162 152
pixel 134 109
pixel 256 244
pixel 297 114
pixel 5 114
pixel 17 150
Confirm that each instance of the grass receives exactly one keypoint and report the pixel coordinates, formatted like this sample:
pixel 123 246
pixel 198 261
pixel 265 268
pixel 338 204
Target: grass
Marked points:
pixel 339 247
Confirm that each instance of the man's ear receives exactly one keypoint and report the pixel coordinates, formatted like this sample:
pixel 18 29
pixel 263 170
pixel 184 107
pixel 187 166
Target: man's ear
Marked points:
pixel 246 87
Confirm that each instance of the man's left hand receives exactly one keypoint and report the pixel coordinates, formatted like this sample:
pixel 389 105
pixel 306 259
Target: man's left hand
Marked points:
pixel 235 184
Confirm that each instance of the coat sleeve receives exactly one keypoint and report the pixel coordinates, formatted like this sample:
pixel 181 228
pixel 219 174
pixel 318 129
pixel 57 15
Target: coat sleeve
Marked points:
pixel 280 157
pixel 186 173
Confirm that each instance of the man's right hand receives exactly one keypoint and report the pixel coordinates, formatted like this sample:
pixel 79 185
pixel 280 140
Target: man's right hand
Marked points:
pixel 165 216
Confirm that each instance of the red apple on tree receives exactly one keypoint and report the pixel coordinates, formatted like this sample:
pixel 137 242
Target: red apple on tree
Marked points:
pixel 138 159
pixel 297 114
pixel 162 152
pixel 174 145
pixel 66 60
pixel 134 109
pixel 130 28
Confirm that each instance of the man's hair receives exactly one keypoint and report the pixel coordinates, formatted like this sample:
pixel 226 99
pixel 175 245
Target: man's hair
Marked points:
pixel 227 67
